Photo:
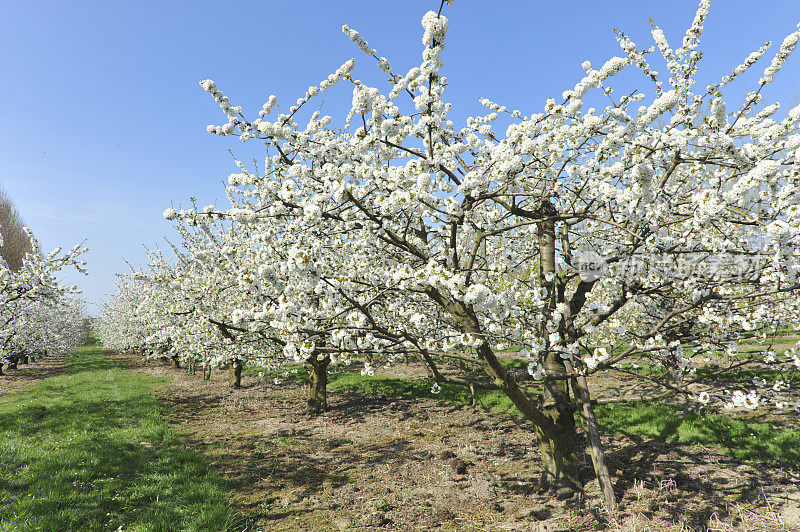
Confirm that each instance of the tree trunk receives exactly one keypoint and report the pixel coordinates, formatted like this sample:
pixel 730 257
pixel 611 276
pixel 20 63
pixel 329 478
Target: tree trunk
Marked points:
pixel 568 333
pixel 557 441
pixel 176 361
pixel 207 372
pixel 1 370
pixel 23 360
pixel 559 459
pixel 555 426
pixel 236 373
pixel 318 383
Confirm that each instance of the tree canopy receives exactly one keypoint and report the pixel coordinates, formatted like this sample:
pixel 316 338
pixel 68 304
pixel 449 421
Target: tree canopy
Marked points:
pixel 645 230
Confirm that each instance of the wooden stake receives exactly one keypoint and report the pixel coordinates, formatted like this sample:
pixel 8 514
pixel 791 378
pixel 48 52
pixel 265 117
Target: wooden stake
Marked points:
pixel 581 391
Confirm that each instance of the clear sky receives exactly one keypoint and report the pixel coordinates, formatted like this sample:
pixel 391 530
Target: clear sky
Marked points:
pixel 103 120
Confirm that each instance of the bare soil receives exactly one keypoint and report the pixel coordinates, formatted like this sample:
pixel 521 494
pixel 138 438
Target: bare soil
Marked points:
pixel 395 463
pixel 27 374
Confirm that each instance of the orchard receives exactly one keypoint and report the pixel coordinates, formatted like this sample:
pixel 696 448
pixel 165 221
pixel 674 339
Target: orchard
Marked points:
pixel 644 231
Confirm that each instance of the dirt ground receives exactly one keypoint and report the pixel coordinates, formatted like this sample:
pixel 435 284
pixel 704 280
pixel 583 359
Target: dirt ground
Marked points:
pixel 27 374
pixel 389 463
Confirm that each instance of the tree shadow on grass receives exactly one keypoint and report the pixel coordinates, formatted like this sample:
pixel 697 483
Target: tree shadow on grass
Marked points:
pixel 744 439
pixel 668 453
pixel 101 482
pixel 87 451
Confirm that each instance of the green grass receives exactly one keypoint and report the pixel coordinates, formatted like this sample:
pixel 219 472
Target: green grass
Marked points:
pixel 741 438
pixel 87 450
pixel 746 375
pixel 340 379
pixel 393 387
pixel 290 372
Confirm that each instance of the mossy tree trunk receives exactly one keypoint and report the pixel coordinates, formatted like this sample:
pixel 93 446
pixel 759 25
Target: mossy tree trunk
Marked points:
pixel 236 372
pixel 317 398
pixel 557 441
pixel 557 448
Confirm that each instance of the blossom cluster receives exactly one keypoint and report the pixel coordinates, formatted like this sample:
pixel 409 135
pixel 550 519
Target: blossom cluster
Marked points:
pixel 39 315
pixel 398 231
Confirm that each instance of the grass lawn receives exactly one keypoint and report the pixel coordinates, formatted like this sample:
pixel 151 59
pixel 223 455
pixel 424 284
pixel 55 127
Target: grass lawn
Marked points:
pixel 87 450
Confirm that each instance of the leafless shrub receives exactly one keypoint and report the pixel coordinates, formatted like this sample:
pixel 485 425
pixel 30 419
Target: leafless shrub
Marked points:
pixel 15 243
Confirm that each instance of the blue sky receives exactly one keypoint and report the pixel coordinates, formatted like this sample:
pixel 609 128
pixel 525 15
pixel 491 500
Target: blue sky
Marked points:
pixel 103 120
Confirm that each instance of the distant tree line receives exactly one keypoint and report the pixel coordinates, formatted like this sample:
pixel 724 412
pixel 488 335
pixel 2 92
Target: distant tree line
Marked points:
pixel 14 243
pixel 38 315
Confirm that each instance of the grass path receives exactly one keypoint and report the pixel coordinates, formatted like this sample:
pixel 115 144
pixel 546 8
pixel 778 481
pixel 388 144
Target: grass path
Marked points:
pixel 87 450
